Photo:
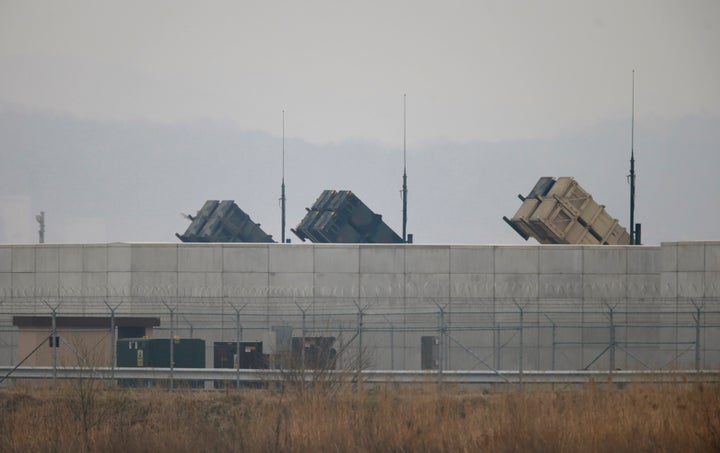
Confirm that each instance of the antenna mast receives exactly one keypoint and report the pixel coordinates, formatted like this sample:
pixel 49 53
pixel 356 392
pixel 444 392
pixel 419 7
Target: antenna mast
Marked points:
pixel 282 187
pixel 404 188
pixel 632 166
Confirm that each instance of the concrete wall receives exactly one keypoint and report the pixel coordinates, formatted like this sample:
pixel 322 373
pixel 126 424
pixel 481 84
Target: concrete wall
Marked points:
pixel 484 294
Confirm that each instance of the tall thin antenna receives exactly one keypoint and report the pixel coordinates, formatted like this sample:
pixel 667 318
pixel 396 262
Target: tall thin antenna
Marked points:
pixel 282 187
pixel 404 188
pixel 632 166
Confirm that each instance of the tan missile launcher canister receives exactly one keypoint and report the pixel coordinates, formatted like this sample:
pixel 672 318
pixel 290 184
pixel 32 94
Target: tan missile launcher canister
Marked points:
pixel 559 211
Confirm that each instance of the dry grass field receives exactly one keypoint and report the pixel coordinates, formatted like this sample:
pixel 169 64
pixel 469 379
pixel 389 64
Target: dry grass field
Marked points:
pixel 593 418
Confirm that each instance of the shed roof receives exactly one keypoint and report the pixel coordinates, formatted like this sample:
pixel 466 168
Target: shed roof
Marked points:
pixel 87 322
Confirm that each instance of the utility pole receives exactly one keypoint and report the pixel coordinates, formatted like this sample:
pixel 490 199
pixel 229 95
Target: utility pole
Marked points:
pixel 632 166
pixel 282 187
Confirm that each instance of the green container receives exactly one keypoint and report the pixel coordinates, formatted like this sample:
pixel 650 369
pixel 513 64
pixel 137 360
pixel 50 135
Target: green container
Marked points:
pixel 155 352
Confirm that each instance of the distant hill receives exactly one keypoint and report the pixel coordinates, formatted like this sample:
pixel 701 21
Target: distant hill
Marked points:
pixel 129 181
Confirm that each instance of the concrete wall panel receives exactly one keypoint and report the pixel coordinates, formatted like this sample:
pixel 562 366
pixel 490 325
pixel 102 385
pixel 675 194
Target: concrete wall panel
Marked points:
pixel 712 284
pixel 337 285
pixel 604 286
pixel 200 259
pixel 469 286
pixel 158 285
pixel 95 258
pixel 154 258
pixel 382 285
pixel 46 284
pixel 668 257
pixel 423 286
pixel 245 259
pixel 23 259
pixel 427 260
pixel 472 260
pixel 605 260
pixel 345 258
pixel 712 257
pixel 560 286
pixel 642 260
pixel 691 284
pixel 200 284
pixel 516 260
pixel 70 258
pixel 561 260
pixel 94 284
pixel 5 285
pixel 640 286
pixel 291 258
pixel 119 257
pixel 70 284
pixel 516 286
pixel 380 259
pixel 668 285
pixel 246 284
pixel 5 259
pixel 691 257
pixel 46 259
pixel 23 284
pixel 293 284
pixel 119 284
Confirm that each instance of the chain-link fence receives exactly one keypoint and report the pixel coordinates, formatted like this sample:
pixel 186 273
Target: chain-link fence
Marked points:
pixel 383 334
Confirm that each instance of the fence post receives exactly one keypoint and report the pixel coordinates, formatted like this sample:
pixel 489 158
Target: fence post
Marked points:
pixel 113 347
pixel 441 346
pixel 189 324
pixel 172 349
pixel 360 350
pixel 53 344
pixel 697 338
pixel 238 336
pixel 302 347
pixel 113 340
pixel 236 359
pixel 360 320
pixel 442 340
pixel 172 343
pixel 522 343
pixel 496 340
pixel 392 346
pixel 612 339
pixel 53 339
pixel 554 338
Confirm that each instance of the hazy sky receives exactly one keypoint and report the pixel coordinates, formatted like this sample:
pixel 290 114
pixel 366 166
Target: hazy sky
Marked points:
pixel 472 70
pixel 98 93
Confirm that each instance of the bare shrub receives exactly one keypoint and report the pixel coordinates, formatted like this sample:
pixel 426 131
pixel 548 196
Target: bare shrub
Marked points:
pixel 594 418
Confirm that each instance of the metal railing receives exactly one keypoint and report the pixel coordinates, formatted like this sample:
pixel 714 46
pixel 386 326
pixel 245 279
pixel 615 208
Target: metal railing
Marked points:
pixel 368 376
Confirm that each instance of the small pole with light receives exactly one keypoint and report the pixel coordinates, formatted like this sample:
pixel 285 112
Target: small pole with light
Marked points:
pixel 41 220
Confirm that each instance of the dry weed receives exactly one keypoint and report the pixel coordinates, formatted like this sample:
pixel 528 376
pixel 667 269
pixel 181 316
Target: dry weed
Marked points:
pixel 595 418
